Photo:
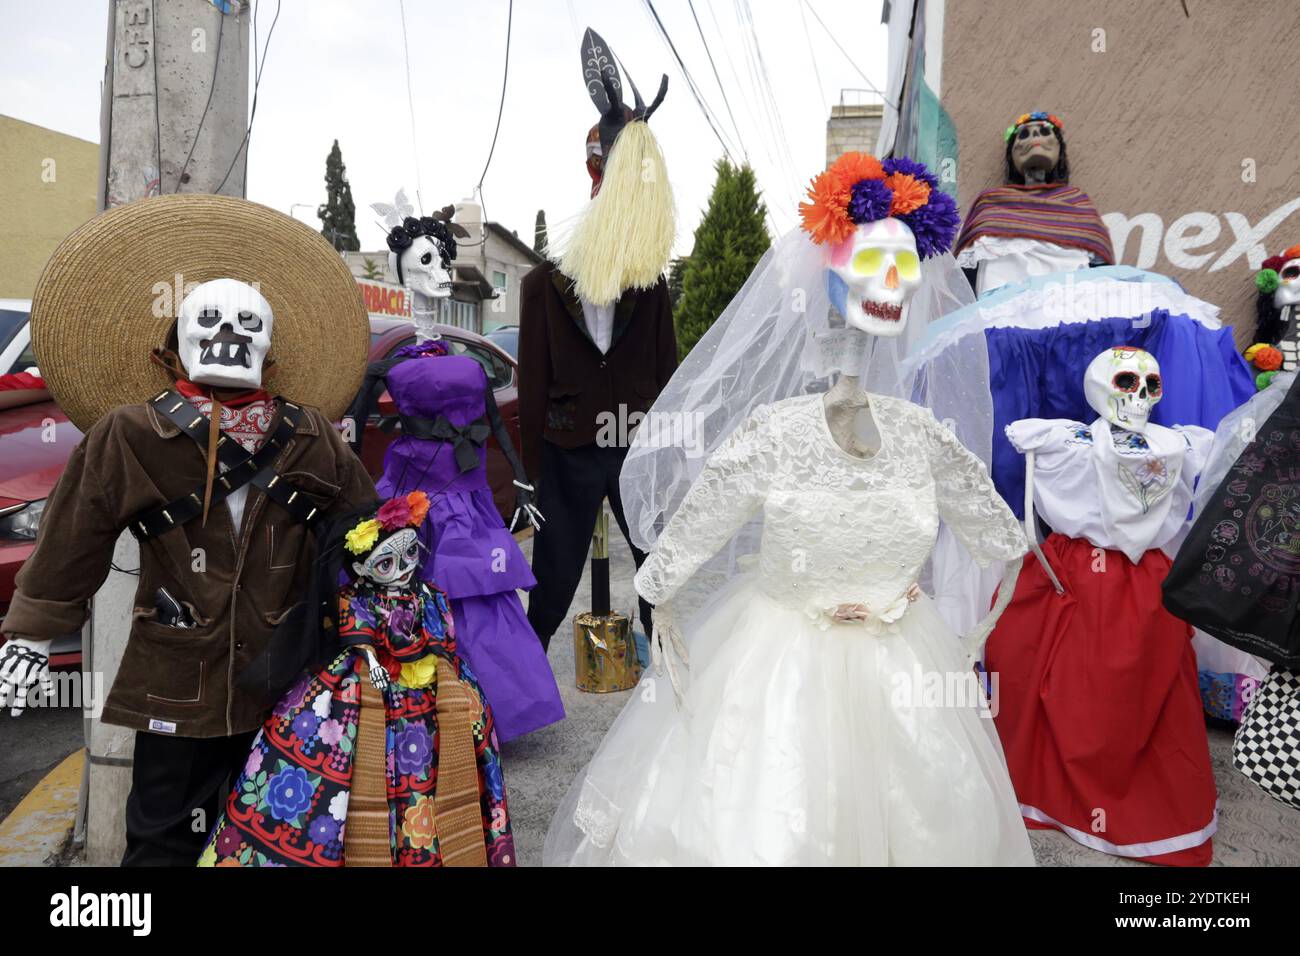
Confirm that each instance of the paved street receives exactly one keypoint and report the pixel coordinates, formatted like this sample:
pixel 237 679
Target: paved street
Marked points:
pixel 31 746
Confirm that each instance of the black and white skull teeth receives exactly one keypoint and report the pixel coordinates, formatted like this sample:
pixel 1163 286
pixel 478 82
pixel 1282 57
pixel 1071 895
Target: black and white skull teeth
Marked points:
pixel 226 348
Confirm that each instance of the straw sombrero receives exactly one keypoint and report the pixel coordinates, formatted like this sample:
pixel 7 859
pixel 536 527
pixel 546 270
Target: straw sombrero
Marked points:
pixel 108 297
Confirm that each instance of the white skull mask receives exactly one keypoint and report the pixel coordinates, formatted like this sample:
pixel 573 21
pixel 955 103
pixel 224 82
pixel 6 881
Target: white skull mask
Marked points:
pixel 421 268
pixel 1123 385
pixel 873 274
pixel 223 334
pixel 1288 284
pixel 393 562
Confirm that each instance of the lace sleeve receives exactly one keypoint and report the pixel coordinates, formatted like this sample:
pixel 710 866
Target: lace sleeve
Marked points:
pixel 969 503
pixel 729 490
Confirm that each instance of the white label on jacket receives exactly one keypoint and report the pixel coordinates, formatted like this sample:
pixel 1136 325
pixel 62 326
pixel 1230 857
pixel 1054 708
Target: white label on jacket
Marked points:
pixel 162 726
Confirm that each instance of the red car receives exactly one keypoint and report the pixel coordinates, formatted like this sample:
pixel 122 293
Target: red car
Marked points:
pixel 36 440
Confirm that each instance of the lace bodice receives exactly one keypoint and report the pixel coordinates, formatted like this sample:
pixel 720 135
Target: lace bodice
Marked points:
pixel 837 529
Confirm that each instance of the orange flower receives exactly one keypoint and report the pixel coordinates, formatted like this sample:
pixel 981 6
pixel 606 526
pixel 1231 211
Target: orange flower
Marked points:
pixel 419 503
pixel 826 218
pixel 417 823
pixel 1268 359
pixel 855 167
pixel 910 193
pixel 1292 253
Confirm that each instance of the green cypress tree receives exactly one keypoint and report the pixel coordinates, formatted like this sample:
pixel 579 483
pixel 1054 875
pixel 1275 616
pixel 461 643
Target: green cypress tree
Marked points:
pixel 729 241
pixel 539 233
pixel 676 269
pixel 338 215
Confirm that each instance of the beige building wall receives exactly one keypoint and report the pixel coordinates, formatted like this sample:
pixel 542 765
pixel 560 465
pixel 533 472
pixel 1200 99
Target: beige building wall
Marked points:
pixel 1184 128
pixel 47 189
pixel 852 128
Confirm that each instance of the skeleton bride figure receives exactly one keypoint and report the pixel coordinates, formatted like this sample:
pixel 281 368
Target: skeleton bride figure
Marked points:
pixel 816 710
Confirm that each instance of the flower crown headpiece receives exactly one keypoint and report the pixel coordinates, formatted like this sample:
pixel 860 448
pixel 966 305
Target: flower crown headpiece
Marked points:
pixel 1036 115
pixel 858 188
pixel 404 511
pixel 1266 279
pixel 404 227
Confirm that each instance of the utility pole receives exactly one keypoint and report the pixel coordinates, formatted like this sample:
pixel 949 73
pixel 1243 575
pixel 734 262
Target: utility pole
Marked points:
pixel 174 118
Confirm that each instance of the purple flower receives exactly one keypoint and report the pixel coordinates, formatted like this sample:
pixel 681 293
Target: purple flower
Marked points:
pixel 331 732
pixel 288 793
pixel 934 224
pixel 400 620
pixel 305 724
pixel 254 762
pixel 292 698
pixel 869 200
pixel 413 749
pixel 910 167
pixel 228 841
pixel 323 830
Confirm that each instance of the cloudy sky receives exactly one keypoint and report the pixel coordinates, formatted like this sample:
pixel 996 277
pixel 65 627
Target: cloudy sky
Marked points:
pixel 336 69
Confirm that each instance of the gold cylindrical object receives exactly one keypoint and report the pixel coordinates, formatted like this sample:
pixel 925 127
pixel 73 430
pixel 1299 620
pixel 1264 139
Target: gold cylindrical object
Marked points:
pixel 604 653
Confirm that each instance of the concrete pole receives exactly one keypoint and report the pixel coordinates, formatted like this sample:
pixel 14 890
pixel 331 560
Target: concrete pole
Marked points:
pixel 175 117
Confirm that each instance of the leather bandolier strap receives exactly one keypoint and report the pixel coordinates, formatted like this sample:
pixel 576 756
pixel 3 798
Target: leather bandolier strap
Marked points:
pixel 241 468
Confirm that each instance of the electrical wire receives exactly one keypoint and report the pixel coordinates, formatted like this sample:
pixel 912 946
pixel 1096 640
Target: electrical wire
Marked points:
pixel 871 86
pixel 690 83
pixel 410 104
pixel 821 90
pixel 501 107
pixel 726 102
pixel 212 88
pixel 257 85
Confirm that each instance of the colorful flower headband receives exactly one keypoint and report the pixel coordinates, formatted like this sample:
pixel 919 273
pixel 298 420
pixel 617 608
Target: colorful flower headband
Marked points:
pixel 1266 279
pixel 858 188
pixel 401 512
pixel 1030 117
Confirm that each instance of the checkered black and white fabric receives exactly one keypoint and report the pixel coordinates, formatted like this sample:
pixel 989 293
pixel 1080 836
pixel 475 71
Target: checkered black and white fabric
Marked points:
pixel 1267 746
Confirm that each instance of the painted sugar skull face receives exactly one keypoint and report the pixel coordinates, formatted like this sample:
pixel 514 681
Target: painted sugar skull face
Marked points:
pixel 393 561
pixel 422 269
pixel 872 275
pixel 1123 385
pixel 1288 284
pixel 223 334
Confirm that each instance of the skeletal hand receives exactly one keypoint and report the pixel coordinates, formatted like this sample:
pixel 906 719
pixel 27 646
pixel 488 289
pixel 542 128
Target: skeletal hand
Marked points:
pixel 24 664
pixel 524 506
pixel 664 643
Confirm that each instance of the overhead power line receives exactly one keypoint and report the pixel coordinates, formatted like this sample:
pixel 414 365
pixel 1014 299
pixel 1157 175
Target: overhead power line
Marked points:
pixel 726 102
pixel 871 86
pixel 690 83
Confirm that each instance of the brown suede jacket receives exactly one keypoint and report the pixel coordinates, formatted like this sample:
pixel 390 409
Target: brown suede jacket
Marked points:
pixel 237 583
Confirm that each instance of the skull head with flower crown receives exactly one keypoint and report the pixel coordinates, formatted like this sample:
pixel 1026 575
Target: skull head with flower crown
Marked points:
pixel 877 220
pixel 387 545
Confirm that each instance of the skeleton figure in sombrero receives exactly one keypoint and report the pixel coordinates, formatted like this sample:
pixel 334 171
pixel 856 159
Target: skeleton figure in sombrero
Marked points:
pixel 382 751
pixel 596 339
pixel 447 413
pixel 205 376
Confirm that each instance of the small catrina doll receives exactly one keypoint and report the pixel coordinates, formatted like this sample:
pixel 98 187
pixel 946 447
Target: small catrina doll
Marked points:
pixel 383 752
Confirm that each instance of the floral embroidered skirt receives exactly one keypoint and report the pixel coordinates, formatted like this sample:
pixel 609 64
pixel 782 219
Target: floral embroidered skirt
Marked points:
pixel 289 806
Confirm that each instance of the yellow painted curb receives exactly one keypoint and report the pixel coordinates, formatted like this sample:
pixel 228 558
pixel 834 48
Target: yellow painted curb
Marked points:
pixel 39 824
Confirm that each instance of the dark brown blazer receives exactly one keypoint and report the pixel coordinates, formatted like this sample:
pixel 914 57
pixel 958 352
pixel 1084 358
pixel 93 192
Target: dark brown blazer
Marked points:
pixel 565 383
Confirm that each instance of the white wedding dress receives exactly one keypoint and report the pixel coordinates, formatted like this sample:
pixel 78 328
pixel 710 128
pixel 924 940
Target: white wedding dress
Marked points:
pixel 801 739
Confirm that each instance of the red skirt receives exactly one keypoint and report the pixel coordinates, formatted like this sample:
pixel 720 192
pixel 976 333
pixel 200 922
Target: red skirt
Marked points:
pixel 1099 709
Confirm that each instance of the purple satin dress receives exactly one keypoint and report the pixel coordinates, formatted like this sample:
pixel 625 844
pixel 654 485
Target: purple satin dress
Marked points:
pixel 472 556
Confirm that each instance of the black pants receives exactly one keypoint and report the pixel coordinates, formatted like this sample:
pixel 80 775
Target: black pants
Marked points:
pixel 172 779
pixel 573 483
